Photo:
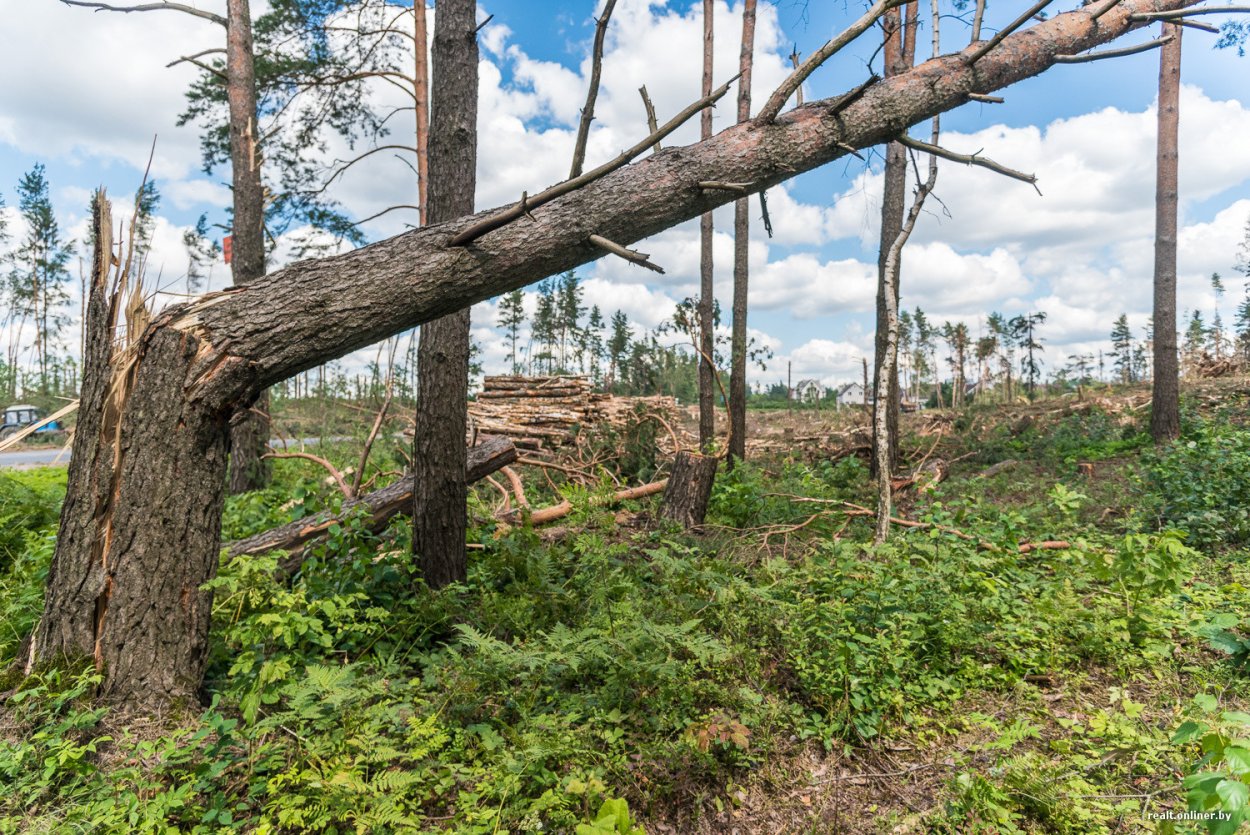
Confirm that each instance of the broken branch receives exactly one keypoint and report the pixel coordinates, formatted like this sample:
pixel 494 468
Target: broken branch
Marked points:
pixel 652 124
pixel 968 159
pixel 515 211
pixel 642 259
pixel 980 51
pixel 788 87
pixel 1112 53
pixel 588 111
pixel 165 5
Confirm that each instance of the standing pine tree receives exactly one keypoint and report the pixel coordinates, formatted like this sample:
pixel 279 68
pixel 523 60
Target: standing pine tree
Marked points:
pixel 618 348
pixel 1024 332
pixel 1195 341
pixel 569 310
pixel 41 269
pixel 1122 349
pixel 594 344
pixel 510 317
pixel 543 330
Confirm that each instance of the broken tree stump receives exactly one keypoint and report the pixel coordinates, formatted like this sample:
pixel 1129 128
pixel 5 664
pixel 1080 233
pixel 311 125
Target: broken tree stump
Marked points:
pixel 492 454
pixel 689 488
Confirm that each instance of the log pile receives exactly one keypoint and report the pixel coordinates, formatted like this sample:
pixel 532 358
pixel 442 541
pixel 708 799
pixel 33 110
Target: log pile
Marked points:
pixel 543 413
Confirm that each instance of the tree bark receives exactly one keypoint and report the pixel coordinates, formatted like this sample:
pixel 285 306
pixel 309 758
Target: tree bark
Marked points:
pixel 439 515
pixel 689 489
pixel 899 55
pixel 493 453
pixel 742 241
pixel 200 360
pixel 1165 414
pixel 250 433
pixel 707 290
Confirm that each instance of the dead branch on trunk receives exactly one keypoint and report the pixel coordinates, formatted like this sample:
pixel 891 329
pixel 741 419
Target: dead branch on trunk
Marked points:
pixel 969 159
pixel 334 471
pixel 1112 53
pixel 787 88
pixel 522 208
pixel 588 110
pixel 985 48
pixel 633 256
pixel 652 125
pixel 164 5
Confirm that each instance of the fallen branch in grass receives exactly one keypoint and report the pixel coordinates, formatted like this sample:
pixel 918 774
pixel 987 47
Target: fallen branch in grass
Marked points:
pixel 380 506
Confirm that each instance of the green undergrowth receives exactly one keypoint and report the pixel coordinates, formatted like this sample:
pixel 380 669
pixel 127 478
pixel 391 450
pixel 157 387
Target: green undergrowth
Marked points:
pixel 610 677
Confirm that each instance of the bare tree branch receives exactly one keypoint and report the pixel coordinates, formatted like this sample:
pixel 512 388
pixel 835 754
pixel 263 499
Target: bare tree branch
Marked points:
pixel 652 124
pixel 788 87
pixel 165 5
pixel 968 159
pixel 1175 13
pixel 201 54
pixel 981 50
pixel 1112 53
pixel 588 111
pixel 642 259
pixel 1194 24
pixel 517 210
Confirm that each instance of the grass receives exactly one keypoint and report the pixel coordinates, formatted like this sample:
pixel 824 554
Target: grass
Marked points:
pixel 773 673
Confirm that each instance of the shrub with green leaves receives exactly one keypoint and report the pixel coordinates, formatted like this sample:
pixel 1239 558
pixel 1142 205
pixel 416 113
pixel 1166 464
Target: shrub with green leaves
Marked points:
pixel 1200 484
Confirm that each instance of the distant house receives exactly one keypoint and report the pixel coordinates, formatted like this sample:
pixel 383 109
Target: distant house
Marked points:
pixel 852 394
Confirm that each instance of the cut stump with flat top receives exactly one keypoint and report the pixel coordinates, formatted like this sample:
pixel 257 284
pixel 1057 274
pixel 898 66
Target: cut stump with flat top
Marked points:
pixel 689 488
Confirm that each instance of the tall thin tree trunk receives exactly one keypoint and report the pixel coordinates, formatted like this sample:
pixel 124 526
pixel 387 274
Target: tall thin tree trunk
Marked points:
pixel 249 438
pixel 707 345
pixel 421 100
pixel 1165 415
pixel 742 240
pixel 899 55
pixel 439 496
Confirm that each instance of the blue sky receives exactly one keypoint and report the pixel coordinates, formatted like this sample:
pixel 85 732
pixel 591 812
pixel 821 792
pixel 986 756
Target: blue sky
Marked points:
pixel 98 91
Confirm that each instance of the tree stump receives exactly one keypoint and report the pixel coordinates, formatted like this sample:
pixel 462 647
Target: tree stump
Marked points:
pixel 689 488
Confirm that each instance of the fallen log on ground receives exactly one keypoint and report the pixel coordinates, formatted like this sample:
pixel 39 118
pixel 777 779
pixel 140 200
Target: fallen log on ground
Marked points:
pixel 492 454
pixel 544 515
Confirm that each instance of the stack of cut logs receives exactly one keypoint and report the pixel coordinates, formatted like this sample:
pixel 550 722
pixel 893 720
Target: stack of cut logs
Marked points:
pixel 546 412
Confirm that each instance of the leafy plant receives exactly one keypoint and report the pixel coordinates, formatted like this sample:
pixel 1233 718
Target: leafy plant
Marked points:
pixel 1217 781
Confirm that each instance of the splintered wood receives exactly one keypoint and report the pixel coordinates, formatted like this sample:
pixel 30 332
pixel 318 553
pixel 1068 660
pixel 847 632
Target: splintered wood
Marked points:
pixel 542 413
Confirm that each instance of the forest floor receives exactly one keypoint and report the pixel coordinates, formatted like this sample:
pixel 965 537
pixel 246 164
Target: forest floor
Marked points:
pixel 770 672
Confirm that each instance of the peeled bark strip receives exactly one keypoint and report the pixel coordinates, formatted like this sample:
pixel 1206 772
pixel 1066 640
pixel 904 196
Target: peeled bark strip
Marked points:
pixel 689 489
pixel 200 360
pixel 490 455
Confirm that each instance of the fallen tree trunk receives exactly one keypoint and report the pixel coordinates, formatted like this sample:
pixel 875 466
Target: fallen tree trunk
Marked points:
pixel 491 454
pixel 140 529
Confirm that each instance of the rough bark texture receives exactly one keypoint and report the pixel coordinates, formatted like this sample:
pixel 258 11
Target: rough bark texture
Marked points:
pixel 381 506
pixel 141 523
pixel 707 290
pixel 1165 413
pixel 439 495
pixel 421 102
pixel 250 434
pixel 199 360
pixel 689 489
pixel 742 240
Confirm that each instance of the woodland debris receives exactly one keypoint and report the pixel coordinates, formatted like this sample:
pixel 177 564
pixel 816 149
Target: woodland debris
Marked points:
pixel 540 413
pixel 381 506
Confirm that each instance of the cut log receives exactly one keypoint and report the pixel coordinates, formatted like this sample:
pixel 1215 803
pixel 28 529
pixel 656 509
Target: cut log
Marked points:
pixel 991 471
pixel 491 454
pixel 689 488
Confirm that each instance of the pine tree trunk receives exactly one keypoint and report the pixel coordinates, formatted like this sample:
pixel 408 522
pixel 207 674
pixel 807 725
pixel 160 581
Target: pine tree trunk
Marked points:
pixel 249 439
pixel 439 514
pixel 707 345
pixel 1165 418
pixel 124 588
pixel 742 240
